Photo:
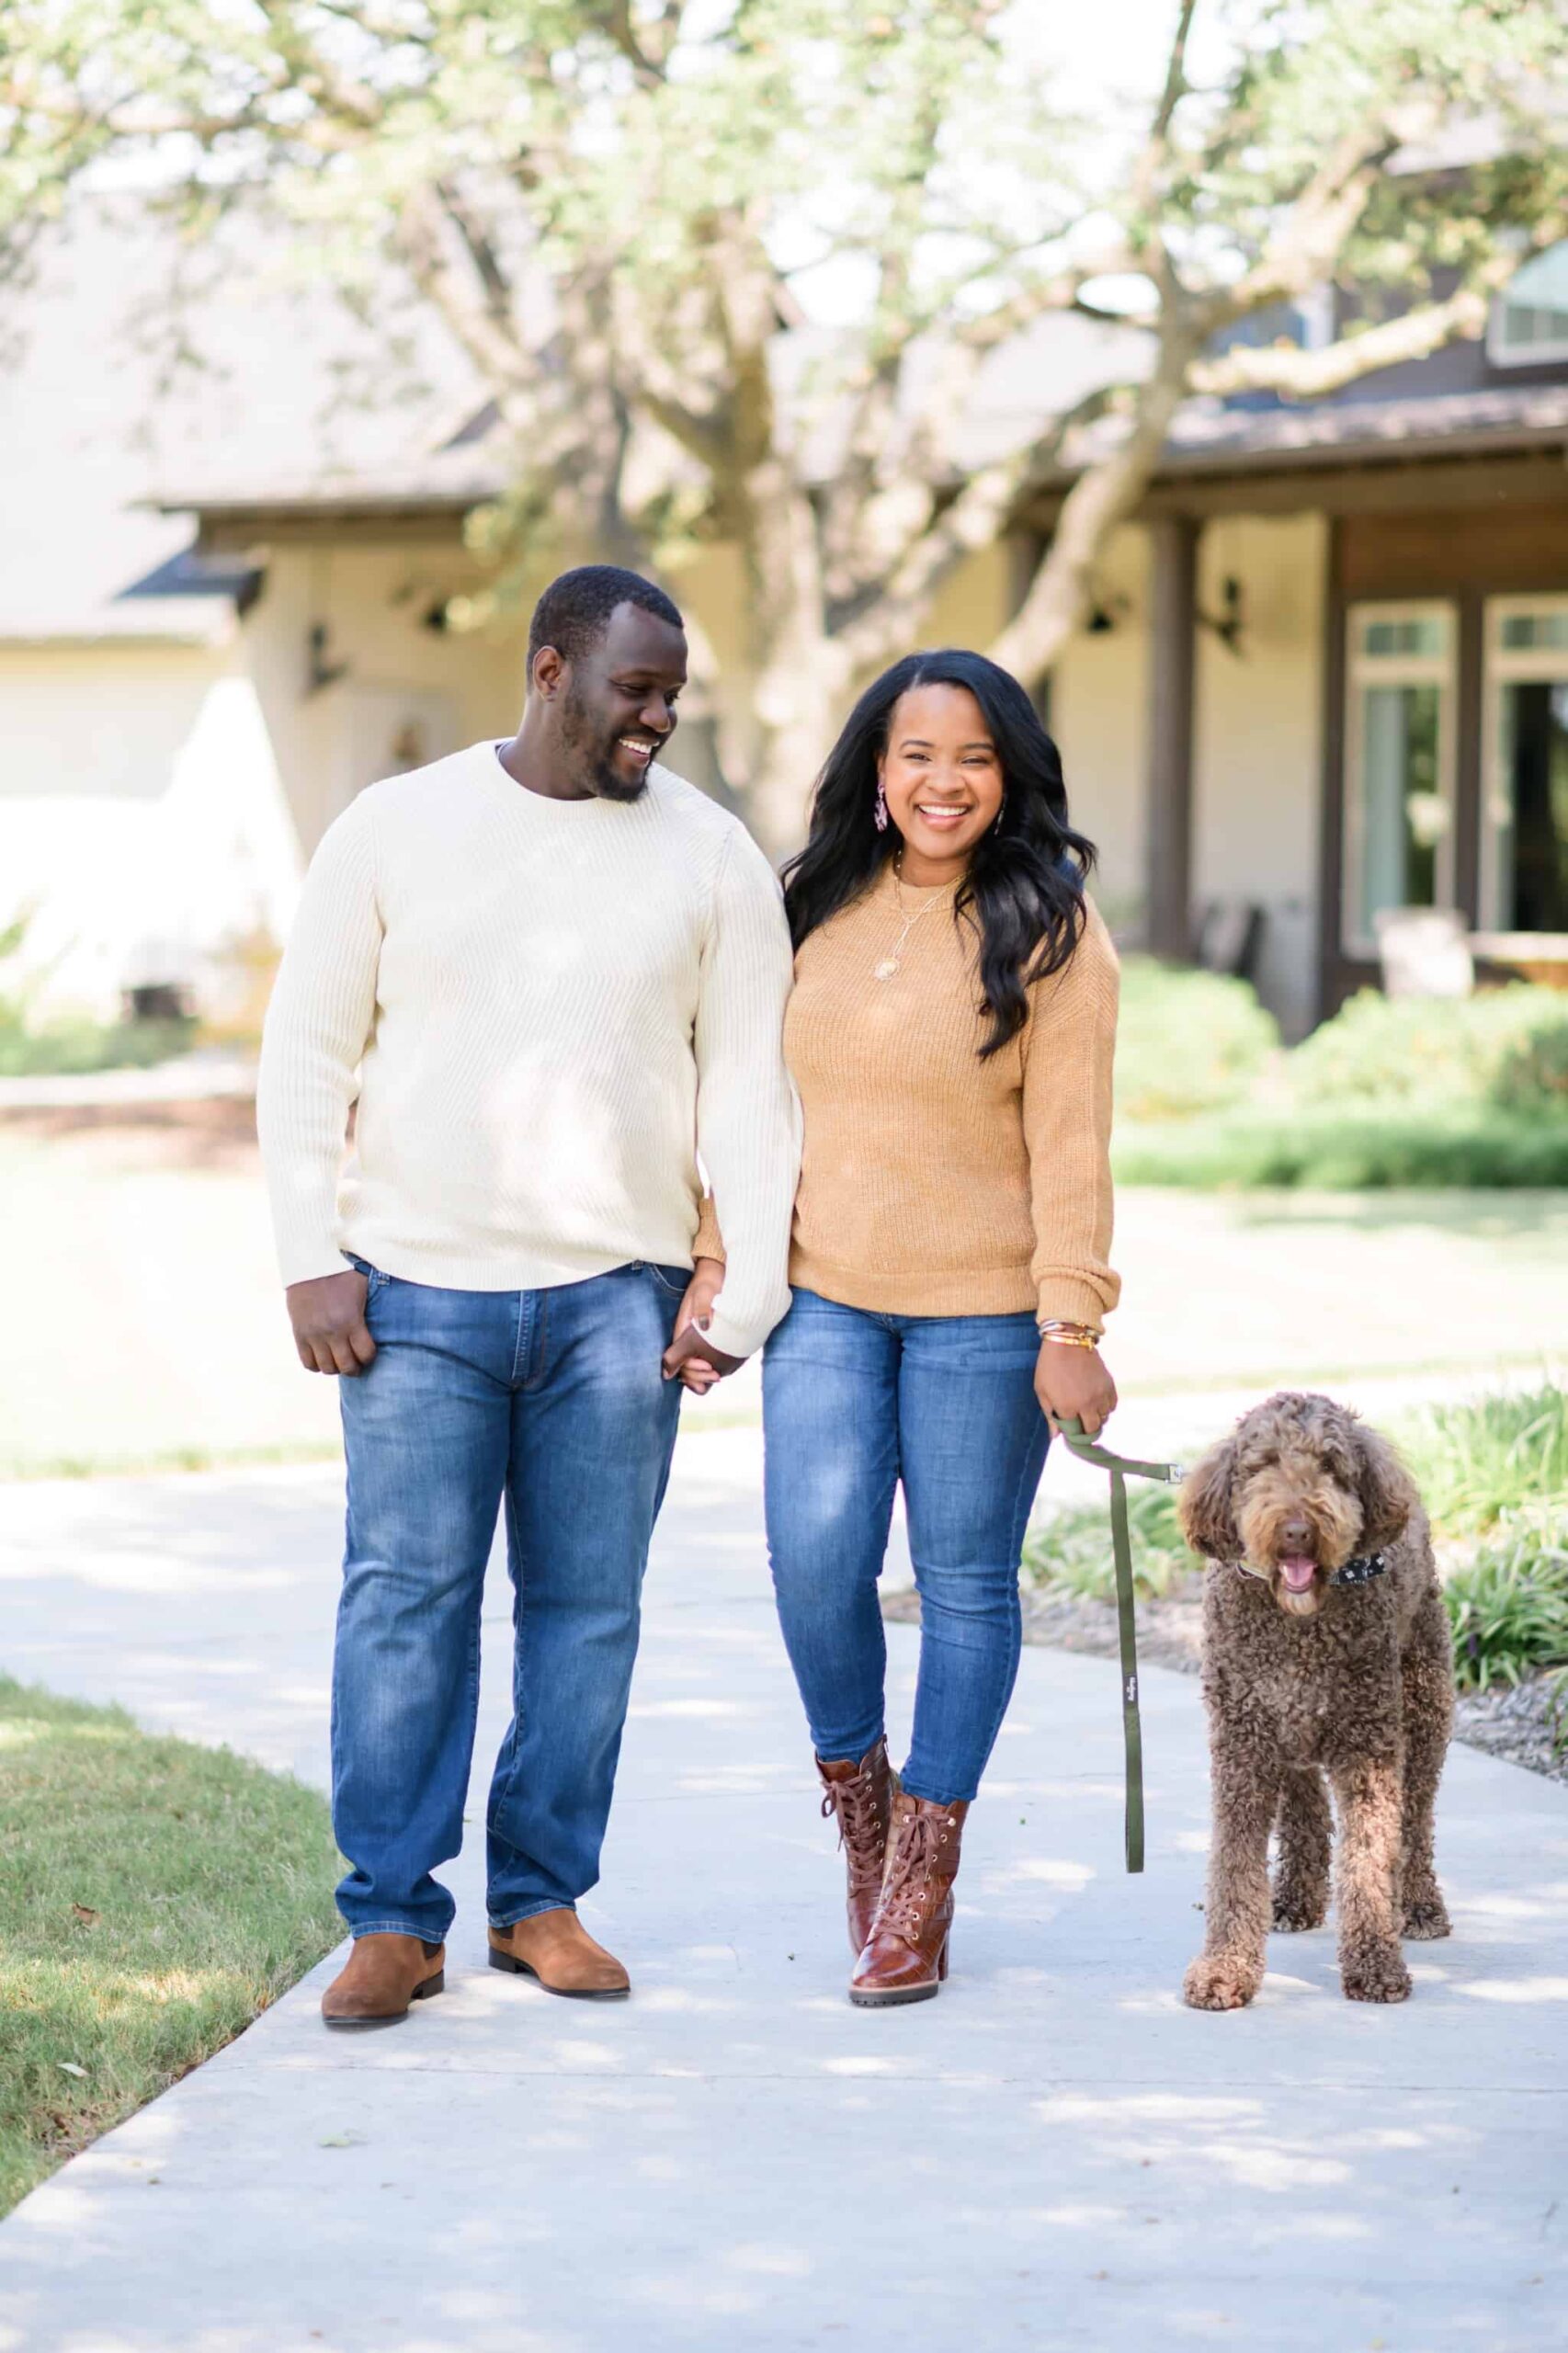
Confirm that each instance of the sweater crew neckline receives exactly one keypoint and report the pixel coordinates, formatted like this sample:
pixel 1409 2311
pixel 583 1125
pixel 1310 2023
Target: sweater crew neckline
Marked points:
pixel 503 786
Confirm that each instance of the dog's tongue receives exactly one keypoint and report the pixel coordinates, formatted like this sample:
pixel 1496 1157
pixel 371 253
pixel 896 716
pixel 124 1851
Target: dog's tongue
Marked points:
pixel 1297 1570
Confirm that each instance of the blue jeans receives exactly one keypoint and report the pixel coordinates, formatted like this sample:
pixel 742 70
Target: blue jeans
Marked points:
pixel 552 1401
pixel 853 1403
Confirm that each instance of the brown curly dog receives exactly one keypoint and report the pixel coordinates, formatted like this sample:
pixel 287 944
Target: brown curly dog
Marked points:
pixel 1309 1682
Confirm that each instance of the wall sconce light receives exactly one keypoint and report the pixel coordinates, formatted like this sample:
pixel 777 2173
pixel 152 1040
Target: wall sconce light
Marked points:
pixel 1227 623
pixel 319 671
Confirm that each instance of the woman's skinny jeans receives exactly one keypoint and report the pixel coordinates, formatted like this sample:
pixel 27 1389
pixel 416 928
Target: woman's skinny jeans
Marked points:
pixel 854 1402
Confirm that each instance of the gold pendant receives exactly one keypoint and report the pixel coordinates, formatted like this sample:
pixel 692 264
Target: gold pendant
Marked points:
pixel 886 968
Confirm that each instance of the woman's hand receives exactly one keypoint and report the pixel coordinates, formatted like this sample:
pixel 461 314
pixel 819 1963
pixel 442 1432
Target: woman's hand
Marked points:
pixel 1073 1385
pixel 696 1372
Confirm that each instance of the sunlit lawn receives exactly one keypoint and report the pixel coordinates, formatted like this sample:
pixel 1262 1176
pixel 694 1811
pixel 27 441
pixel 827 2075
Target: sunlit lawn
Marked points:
pixel 154 1896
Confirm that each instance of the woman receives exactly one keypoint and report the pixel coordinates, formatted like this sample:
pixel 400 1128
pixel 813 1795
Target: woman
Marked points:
pixel 950 1033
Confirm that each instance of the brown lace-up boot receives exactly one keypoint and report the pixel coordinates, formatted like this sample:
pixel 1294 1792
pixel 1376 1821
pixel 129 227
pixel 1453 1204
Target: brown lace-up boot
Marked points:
pixel 905 1958
pixel 861 1796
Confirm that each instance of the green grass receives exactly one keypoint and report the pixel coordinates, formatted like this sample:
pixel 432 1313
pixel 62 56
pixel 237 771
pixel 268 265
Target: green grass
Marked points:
pixel 155 1897
pixel 1474 1463
pixel 18 1464
pixel 1508 1607
pixel 1070 1554
pixel 1467 1144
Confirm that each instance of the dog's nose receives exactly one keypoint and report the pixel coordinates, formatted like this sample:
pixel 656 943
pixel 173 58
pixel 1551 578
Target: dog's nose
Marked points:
pixel 1295 1533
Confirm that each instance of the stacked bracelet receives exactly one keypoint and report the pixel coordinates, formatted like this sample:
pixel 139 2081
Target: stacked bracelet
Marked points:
pixel 1070 1336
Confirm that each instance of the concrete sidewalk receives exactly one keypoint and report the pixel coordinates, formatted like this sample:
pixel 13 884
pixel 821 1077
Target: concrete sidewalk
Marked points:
pixel 1054 2155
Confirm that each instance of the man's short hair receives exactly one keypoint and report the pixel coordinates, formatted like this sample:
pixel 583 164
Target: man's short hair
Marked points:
pixel 573 612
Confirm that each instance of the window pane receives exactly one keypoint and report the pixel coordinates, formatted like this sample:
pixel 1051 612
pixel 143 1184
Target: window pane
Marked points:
pixel 1535 308
pixel 1404 814
pixel 1424 634
pixel 1536 632
pixel 1533 830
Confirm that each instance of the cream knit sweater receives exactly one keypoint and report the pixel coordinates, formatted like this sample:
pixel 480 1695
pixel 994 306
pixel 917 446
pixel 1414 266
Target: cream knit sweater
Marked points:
pixel 543 1011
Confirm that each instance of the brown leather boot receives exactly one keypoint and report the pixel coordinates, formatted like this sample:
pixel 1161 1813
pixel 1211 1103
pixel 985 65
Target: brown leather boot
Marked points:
pixel 861 1796
pixel 386 1971
pixel 905 1958
pixel 556 1949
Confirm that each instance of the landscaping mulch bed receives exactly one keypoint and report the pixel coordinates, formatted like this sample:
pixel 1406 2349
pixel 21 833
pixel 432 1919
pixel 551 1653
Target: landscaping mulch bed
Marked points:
pixel 1513 1721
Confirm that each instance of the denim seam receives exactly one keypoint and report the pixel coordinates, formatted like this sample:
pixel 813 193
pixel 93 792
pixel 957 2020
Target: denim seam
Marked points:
pixel 397 1928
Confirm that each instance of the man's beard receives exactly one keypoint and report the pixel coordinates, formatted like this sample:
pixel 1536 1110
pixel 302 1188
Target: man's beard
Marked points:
pixel 592 758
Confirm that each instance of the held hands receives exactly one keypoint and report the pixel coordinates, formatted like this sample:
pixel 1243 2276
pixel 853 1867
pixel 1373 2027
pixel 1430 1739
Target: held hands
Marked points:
pixel 328 1317
pixel 1073 1384
pixel 690 1358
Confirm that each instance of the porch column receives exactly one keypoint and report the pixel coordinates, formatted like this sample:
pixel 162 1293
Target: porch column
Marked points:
pixel 1173 542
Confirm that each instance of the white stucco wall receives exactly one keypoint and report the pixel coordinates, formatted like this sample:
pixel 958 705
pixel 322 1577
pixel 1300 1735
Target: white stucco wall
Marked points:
pixel 1257 751
pixel 1098 690
pixel 407 693
pixel 143 827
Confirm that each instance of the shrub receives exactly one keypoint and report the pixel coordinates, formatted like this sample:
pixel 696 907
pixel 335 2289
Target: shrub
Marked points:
pixel 1502 1046
pixel 1533 1072
pixel 1187 1041
pixel 1071 1552
pixel 1476 1462
pixel 1508 1607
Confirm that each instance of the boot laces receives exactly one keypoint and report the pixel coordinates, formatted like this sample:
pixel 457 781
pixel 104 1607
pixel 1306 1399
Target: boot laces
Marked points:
pixel 906 1896
pixel 859 1823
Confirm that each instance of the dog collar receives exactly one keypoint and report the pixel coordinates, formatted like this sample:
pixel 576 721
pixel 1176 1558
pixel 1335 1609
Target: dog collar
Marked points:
pixel 1360 1571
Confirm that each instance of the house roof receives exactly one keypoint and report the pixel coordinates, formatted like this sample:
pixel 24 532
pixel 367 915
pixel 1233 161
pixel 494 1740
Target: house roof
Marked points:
pixel 1207 439
pixel 93 416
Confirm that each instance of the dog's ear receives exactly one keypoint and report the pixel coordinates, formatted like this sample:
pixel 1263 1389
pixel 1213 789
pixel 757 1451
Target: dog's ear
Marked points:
pixel 1387 1492
pixel 1204 1504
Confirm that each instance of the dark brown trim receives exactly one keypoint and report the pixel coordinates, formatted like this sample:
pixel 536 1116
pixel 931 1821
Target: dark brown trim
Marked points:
pixel 1331 990
pixel 1173 599
pixel 1469 719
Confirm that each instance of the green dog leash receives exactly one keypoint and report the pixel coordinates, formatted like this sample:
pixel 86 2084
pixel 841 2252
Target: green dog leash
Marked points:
pixel 1121 1469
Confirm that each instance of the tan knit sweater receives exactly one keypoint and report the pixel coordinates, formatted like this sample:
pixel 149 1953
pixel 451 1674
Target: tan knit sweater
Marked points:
pixel 934 1182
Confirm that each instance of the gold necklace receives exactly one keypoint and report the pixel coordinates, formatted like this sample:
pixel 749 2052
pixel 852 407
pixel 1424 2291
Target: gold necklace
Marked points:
pixel 892 963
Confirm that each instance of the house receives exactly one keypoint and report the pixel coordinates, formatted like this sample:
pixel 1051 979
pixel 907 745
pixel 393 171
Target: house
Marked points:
pixel 1325 672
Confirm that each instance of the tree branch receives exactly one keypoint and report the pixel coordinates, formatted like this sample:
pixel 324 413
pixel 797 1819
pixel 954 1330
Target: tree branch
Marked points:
pixel 1310 375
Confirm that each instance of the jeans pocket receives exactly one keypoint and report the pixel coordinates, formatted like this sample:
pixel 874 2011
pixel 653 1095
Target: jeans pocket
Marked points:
pixel 672 1280
pixel 373 1274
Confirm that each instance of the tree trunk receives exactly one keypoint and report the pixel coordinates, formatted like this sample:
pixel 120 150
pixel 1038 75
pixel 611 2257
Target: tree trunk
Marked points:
pixel 1104 495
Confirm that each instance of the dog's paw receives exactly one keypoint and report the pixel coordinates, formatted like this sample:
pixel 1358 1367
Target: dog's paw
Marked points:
pixel 1218 1981
pixel 1297 1909
pixel 1374 1973
pixel 1427 1918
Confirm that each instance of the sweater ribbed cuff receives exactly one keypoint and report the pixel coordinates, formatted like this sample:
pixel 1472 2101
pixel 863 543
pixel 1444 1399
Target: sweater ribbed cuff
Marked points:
pixel 1063 1300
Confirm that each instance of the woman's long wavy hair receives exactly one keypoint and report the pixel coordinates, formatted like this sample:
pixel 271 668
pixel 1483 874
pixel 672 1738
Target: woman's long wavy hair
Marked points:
pixel 1024 890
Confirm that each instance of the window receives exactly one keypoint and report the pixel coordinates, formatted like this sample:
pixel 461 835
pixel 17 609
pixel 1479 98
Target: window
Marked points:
pixel 1529 319
pixel 1399 765
pixel 1524 837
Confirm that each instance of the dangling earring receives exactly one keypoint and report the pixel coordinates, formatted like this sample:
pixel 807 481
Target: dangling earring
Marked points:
pixel 1001 811
pixel 879 813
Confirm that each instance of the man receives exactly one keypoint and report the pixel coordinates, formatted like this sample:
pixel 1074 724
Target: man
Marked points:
pixel 547 973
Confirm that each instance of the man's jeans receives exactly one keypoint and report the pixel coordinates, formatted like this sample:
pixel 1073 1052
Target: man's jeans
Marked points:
pixel 553 1400
pixel 853 1403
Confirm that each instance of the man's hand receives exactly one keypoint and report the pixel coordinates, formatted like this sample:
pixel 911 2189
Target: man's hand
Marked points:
pixel 1073 1385
pixel 328 1316
pixel 689 1358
